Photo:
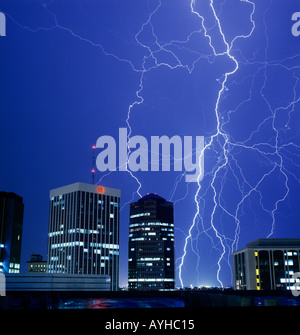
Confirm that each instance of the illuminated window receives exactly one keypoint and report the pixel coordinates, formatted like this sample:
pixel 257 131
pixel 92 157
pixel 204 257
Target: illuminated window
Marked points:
pixel 139 215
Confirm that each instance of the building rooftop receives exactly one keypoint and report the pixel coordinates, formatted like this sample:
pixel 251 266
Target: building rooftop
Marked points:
pixel 36 258
pixel 274 243
pixel 11 195
pixel 85 188
pixel 151 196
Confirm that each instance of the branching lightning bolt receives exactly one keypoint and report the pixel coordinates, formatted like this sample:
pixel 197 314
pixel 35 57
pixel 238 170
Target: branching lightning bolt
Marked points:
pixel 273 153
pixel 215 137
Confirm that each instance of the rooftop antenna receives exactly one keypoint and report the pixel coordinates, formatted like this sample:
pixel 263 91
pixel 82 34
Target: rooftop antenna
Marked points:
pixel 93 170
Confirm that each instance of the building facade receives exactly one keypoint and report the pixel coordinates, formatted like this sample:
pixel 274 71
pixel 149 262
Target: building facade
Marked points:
pixel 37 264
pixel 84 231
pixel 151 244
pixel 267 264
pixel 11 226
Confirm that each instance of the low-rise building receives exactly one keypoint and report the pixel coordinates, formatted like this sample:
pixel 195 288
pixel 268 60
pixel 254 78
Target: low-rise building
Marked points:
pixel 267 264
pixel 37 264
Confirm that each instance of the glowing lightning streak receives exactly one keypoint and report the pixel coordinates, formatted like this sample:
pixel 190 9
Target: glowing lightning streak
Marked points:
pixel 130 131
pixel 215 136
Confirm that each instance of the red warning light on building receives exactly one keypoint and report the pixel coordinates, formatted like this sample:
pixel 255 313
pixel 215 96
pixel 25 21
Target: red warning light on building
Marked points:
pixel 100 189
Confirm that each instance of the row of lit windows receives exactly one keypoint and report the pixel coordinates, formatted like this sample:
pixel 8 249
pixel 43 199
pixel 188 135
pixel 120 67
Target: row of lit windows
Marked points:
pixel 132 225
pixel 139 215
pixel 99 201
pixel 60 266
pixel 153 234
pixel 290 253
pixel 287 262
pixel 151 280
pixel 140 249
pixel 289 280
pixel 14 265
pixel 138 229
pixel 81 244
pixel 151 259
pixel 83 231
pixel 14 268
pixel 149 239
pixel 105 245
pixel 150 264
pixel 96 251
pixel 75 230
pixel 67 244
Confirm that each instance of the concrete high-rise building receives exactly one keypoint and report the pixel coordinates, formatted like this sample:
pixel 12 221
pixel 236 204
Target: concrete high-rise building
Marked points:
pixel 151 244
pixel 267 264
pixel 11 226
pixel 84 231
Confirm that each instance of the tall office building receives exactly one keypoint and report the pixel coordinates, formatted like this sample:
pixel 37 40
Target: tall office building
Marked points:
pixel 84 231
pixel 267 264
pixel 11 225
pixel 151 244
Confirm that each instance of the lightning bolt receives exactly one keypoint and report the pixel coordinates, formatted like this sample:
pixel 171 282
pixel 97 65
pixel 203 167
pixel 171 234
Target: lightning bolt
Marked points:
pixel 219 133
pixel 272 153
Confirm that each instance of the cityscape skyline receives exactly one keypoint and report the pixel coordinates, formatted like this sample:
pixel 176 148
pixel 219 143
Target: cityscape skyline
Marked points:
pixel 63 200
pixel 62 197
pixel 74 72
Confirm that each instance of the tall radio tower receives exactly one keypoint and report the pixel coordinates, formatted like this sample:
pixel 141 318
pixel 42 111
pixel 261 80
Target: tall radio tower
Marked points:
pixel 93 170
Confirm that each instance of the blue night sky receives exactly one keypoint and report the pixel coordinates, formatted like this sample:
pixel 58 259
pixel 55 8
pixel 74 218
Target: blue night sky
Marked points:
pixel 228 70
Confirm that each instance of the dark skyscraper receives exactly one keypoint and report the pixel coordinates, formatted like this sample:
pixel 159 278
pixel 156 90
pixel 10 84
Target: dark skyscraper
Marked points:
pixel 84 231
pixel 151 244
pixel 11 225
